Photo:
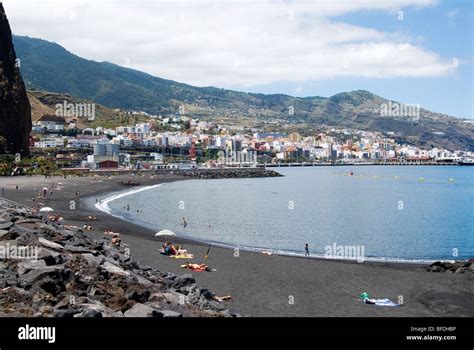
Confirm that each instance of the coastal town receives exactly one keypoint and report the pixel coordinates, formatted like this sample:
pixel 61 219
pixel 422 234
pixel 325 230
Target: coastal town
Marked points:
pixel 183 142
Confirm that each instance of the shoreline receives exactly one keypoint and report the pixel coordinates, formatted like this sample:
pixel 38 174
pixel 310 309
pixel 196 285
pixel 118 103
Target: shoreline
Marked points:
pixel 252 249
pixel 102 205
pixel 261 285
pixel 109 197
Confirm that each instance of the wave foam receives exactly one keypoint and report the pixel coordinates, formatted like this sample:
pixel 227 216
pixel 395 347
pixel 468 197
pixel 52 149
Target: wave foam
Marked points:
pixel 103 205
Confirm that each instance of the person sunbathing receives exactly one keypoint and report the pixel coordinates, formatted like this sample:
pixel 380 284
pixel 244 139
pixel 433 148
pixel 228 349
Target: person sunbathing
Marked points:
pixel 173 250
pixel 365 297
pixel 197 267
pixel 181 251
pixel 116 241
pixel 55 218
pixel 223 298
pixel 164 249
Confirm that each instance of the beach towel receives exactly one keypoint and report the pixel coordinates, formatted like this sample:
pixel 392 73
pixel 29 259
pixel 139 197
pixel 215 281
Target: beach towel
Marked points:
pixel 183 256
pixel 381 302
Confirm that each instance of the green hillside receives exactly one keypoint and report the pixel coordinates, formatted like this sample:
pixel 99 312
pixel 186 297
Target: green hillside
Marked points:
pixel 47 66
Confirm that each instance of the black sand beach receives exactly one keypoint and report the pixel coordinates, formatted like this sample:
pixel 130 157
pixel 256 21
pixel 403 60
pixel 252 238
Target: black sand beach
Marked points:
pixel 262 285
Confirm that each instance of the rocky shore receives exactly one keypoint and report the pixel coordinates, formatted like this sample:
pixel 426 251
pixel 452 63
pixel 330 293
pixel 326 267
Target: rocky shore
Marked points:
pixel 228 173
pixel 48 269
pixel 452 267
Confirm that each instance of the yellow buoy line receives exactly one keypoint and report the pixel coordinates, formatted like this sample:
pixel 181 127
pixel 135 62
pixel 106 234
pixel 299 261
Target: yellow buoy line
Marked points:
pixel 375 177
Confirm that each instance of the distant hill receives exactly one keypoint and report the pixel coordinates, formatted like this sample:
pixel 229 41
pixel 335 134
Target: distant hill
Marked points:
pixel 47 66
pixel 42 103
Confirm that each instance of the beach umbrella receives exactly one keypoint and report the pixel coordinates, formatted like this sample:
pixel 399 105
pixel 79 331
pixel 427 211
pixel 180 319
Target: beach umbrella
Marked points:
pixel 165 233
pixel 46 209
pixel 45 188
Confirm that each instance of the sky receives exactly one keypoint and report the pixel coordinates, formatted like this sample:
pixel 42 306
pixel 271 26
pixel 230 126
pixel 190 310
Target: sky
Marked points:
pixel 410 51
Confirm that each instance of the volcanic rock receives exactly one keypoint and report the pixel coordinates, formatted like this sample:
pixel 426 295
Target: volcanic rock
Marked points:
pixel 15 110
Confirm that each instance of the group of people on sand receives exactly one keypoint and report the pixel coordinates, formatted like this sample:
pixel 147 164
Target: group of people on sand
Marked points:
pixel 55 218
pixel 169 249
pixel 88 227
pixel 178 252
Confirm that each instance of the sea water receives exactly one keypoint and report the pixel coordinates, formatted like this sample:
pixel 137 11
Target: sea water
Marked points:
pixel 392 212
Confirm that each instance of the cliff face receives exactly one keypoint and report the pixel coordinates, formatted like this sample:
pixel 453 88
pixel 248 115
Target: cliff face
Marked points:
pixel 15 111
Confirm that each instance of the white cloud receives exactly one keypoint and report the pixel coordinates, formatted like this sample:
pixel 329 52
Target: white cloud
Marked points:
pixel 230 43
pixel 453 13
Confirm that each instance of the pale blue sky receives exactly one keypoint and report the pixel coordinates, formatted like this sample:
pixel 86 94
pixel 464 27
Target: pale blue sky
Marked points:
pixel 299 47
pixel 445 28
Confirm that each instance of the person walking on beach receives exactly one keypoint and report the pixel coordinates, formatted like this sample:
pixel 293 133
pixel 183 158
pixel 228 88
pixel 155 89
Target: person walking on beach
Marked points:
pixel 306 250
pixel 184 222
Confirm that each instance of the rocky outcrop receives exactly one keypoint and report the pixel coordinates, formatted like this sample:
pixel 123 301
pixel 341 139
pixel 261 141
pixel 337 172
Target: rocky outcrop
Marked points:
pixel 47 269
pixel 453 267
pixel 15 111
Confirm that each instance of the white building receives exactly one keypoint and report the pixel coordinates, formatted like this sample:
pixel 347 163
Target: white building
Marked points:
pixel 50 143
pixel 123 140
pixel 79 142
pixel 51 122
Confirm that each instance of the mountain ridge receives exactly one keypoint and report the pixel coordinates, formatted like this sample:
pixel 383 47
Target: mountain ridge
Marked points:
pixel 50 67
